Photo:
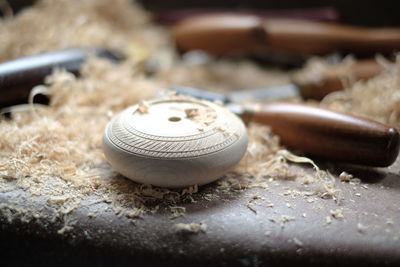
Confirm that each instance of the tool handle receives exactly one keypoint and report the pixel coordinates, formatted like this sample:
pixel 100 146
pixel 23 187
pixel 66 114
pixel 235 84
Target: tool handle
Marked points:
pixel 18 76
pixel 220 34
pixel 223 34
pixel 316 84
pixel 313 13
pixel 331 135
pixel 310 37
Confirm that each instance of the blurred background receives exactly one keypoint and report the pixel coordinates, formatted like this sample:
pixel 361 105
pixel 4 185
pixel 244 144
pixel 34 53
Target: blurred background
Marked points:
pixel 360 12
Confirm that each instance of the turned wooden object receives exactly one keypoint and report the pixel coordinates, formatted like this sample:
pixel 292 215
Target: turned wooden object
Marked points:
pixel 175 142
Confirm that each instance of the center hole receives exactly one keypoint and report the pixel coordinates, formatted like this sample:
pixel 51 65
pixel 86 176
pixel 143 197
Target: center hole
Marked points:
pixel 174 119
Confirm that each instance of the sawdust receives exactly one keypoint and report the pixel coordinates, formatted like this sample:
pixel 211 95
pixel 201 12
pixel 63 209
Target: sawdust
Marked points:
pixel 54 152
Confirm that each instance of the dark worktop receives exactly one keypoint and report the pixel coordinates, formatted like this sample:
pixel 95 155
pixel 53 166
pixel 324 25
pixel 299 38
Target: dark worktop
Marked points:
pixel 368 234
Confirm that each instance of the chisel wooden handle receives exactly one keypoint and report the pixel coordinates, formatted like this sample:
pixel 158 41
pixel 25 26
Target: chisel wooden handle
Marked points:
pixel 331 135
pixel 308 37
pixel 317 84
pixel 223 34
pixel 18 76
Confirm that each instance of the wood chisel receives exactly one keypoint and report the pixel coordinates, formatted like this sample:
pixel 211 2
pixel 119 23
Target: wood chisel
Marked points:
pixel 174 16
pixel 231 34
pixel 316 131
pixel 18 76
pixel 313 84
pixel 318 83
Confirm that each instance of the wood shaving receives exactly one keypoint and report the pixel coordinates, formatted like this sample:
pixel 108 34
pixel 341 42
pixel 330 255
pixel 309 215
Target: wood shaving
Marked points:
pixel 143 107
pixel 355 181
pixel 204 116
pixel 286 218
pixel 361 228
pixel 377 99
pixel 191 227
pixel 177 211
pixel 190 190
pixel 345 177
pixel 192 112
pixel 129 213
pixel 328 220
pixel 67 227
pixel 337 214
pixel 252 207
pixel 271 219
pixel 293 158
pixel 297 242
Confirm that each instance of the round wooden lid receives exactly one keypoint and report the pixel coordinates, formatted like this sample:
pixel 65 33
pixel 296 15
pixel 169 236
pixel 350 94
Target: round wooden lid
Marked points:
pixel 174 142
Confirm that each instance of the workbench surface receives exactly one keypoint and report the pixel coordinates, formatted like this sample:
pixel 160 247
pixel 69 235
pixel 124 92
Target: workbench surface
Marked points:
pixel 253 227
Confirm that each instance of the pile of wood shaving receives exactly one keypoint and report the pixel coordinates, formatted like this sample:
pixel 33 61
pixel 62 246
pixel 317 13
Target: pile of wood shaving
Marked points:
pixel 54 151
pixel 378 98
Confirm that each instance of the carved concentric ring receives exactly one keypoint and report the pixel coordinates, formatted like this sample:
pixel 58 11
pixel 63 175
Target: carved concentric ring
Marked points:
pixel 123 131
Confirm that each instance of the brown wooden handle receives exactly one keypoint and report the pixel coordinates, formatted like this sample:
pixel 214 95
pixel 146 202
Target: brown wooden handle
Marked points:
pixel 227 34
pixel 318 83
pixel 309 37
pixel 18 76
pixel 220 34
pixel 331 135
